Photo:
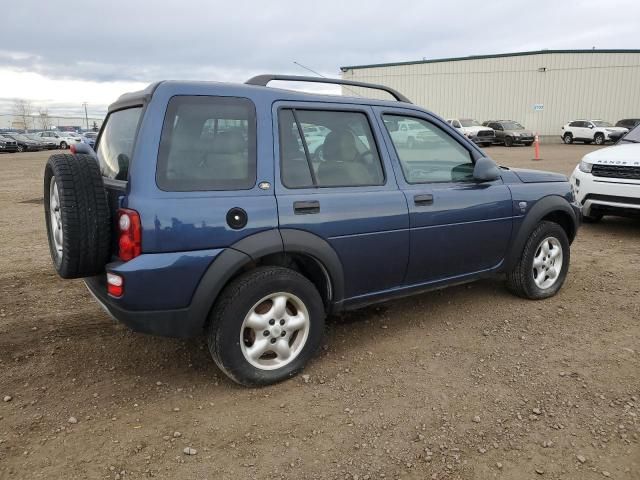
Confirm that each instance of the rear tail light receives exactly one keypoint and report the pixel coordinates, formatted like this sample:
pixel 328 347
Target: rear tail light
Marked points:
pixel 130 234
pixel 115 285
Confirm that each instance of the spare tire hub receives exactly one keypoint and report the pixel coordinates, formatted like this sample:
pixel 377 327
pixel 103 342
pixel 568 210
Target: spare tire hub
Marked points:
pixel 55 216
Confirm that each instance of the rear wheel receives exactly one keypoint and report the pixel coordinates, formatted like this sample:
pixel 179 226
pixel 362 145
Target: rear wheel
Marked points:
pixel 76 215
pixel 265 326
pixel 543 265
pixel 528 144
pixel 567 138
pixel 599 139
pixel 63 145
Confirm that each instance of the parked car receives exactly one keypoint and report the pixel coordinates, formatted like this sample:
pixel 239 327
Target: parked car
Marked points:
pixel 510 132
pixel 7 144
pixel 628 123
pixel 25 144
pixel 607 181
pixel 474 130
pixel 45 144
pixel 250 240
pixel 90 138
pixel 588 131
pixel 62 139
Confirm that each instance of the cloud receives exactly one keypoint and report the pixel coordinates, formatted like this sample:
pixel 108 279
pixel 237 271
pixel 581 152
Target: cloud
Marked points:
pixel 128 42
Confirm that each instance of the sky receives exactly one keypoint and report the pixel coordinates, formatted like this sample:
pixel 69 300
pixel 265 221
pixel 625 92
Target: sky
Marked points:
pixel 59 55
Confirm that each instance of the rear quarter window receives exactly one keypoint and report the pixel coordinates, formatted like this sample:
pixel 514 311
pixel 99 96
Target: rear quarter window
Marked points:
pixel 116 143
pixel 207 143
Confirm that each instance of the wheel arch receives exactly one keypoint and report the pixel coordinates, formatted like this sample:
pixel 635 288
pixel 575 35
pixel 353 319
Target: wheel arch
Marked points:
pixel 553 208
pixel 302 251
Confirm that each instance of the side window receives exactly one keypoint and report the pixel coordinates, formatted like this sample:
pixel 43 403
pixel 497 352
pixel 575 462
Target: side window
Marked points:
pixel 574 124
pixel 207 143
pixel 320 148
pixel 434 157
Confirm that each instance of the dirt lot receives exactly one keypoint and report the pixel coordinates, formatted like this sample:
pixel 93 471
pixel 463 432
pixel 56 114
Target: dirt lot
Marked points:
pixel 469 382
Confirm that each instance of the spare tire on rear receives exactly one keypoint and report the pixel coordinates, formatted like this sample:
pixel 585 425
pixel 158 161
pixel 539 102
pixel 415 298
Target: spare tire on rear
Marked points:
pixel 77 215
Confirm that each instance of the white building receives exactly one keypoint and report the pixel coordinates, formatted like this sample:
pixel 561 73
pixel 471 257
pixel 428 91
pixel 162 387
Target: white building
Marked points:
pixel 543 90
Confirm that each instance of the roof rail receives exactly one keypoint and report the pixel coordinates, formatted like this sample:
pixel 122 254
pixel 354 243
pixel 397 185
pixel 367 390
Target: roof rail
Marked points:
pixel 263 80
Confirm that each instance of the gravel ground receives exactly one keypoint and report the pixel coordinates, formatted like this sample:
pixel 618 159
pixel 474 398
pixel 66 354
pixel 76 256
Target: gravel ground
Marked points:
pixel 468 382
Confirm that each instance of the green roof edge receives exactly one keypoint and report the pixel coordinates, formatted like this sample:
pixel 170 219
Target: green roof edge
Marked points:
pixel 482 57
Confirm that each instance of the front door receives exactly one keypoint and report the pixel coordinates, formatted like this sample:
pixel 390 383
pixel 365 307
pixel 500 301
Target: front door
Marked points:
pixel 459 226
pixel 335 182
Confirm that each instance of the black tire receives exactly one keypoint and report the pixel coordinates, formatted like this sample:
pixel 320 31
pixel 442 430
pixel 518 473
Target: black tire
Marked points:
pixel 63 145
pixel 20 149
pixel 528 144
pixel 520 280
pixel 598 139
pixel 508 141
pixel 84 215
pixel 233 305
pixel 567 138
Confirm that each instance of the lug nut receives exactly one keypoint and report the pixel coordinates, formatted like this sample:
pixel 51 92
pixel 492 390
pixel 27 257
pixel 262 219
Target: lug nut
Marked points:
pixel 283 333
pixel 266 333
pixel 272 322
pixel 282 322
pixel 273 340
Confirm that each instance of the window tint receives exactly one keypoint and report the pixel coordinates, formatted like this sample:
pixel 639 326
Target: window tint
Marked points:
pixel 116 142
pixel 320 148
pixel 431 155
pixel 208 143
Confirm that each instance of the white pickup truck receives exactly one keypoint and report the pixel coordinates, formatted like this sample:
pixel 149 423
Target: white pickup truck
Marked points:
pixel 474 130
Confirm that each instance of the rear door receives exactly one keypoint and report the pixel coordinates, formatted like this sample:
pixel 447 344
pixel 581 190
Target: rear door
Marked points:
pixel 342 188
pixel 459 227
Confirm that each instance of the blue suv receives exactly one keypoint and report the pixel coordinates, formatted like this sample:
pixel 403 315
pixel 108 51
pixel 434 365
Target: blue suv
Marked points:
pixel 250 213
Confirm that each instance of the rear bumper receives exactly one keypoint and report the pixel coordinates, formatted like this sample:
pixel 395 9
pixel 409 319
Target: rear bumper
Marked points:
pixel 158 292
pixel 166 323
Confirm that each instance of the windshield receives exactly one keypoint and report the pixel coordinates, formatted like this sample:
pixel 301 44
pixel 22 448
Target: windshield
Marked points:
pixel 469 122
pixel 601 123
pixel 18 136
pixel 633 136
pixel 512 126
pixel 116 143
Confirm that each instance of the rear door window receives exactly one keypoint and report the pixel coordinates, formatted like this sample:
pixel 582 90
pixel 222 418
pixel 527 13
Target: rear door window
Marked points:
pixel 322 148
pixel 208 143
pixel 116 142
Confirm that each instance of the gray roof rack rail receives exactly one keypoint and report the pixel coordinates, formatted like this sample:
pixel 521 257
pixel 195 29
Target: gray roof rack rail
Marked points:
pixel 263 80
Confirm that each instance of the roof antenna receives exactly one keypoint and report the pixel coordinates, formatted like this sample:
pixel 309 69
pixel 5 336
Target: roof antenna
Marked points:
pixel 323 76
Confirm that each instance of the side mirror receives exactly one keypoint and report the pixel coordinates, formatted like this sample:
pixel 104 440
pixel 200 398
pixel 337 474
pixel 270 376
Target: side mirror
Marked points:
pixel 486 170
pixel 590 126
pixel 83 148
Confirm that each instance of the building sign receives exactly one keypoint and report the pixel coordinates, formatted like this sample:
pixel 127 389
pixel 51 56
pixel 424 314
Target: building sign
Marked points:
pixel 538 107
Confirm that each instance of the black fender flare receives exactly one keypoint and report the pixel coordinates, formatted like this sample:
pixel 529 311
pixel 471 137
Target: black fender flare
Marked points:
pixel 306 243
pixel 228 263
pixel 542 208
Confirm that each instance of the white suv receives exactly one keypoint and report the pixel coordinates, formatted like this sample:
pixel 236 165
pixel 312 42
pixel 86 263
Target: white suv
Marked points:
pixel 607 181
pixel 588 131
pixel 62 139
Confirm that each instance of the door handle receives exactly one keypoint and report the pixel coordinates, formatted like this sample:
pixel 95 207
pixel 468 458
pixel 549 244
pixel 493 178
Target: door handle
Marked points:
pixel 423 199
pixel 306 207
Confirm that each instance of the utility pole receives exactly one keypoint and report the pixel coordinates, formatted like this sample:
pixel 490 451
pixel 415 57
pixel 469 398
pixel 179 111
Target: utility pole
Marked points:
pixel 86 117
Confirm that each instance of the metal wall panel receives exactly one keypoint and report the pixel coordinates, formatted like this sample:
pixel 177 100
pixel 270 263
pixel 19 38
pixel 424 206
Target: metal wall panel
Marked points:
pixel 573 85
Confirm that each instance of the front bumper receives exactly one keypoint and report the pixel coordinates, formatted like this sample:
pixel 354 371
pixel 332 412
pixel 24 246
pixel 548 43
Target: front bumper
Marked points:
pixel 488 140
pixel 605 195
pixel 522 140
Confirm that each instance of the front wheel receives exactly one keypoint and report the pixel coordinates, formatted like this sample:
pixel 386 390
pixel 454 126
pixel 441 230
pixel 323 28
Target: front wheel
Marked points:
pixel 20 149
pixel 265 326
pixel 543 265
pixel 599 139
pixel 508 141
pixel 567 138
pixel 63 145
